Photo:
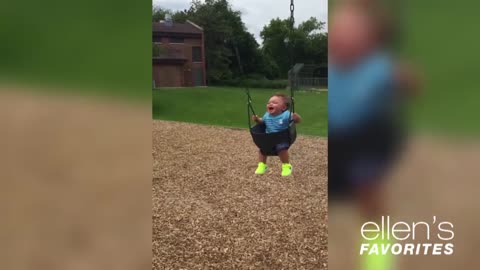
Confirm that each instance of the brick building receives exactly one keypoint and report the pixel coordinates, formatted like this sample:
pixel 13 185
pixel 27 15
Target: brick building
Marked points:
pixel 178 54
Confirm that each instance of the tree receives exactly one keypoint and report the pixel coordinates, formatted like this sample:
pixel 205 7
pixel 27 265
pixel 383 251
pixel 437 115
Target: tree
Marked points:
pixel 159 13
pixel 224 30
pixel 314 46
pixel 246 46
pixel 226 35
pixel 305 43
pixel 274 46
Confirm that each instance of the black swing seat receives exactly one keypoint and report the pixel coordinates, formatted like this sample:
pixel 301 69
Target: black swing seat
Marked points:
pixel 266 142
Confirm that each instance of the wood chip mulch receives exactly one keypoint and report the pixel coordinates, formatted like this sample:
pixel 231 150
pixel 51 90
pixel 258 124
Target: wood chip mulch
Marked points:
pixel 211 212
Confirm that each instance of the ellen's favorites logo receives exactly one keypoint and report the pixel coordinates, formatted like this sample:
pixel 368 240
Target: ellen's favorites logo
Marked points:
pixel 402 238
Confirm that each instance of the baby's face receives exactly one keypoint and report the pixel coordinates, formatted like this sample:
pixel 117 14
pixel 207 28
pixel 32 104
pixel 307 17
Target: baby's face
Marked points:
pixel 351 35
pixel 276 105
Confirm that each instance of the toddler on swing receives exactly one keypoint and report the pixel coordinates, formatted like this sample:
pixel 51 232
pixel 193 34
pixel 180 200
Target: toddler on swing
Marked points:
pixel 276 119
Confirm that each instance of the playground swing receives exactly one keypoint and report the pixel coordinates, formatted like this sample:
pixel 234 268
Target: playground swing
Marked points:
pixel 266 142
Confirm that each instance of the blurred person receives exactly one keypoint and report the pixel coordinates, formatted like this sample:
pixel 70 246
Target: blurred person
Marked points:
pixel 367 87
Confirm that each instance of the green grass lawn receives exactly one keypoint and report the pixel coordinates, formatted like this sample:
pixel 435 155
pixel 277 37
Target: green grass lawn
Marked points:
pixel 447 58
pixel 228 107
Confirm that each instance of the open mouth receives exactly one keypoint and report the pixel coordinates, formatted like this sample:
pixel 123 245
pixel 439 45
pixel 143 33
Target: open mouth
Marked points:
pixel 270 108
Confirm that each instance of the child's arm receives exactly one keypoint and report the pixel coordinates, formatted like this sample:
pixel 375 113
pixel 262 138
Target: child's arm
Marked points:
pixel 296 118
pixel 408 79
pixel 257 119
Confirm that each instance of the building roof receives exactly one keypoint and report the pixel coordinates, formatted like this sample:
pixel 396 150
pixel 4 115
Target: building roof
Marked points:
pixel 187 28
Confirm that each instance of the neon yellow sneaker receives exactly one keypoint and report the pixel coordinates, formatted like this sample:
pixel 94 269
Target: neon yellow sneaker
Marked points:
pixel 377 261
pixel 286 169
pixel 261 169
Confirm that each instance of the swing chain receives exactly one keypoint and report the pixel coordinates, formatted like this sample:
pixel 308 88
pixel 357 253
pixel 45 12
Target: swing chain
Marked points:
pixel 292 9
pixel 292 24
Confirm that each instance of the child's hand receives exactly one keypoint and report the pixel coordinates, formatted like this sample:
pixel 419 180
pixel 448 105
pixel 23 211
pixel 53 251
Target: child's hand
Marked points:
pixel 256 119
pixel 296 118
pixel 408 79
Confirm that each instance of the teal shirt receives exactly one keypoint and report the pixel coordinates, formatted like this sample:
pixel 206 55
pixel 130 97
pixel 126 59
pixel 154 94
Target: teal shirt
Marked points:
pixel 276 123
pixel 361 94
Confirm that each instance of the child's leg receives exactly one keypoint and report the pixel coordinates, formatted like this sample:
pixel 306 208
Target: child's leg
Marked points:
pixel 283 155
pixel 262 157
pixel 371 202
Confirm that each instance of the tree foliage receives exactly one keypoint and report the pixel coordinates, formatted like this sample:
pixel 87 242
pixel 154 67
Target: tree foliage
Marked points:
pixel 226 36
pixel 302 44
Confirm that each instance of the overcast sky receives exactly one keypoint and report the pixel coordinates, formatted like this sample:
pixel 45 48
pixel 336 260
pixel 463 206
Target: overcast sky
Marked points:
pixel 258 13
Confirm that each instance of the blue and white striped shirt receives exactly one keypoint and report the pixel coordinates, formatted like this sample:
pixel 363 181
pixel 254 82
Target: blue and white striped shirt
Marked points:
pixel 276 123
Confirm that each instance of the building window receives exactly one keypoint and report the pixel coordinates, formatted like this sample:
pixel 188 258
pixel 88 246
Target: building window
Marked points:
pixel 176 40
pixel 196 54
pixel 158 50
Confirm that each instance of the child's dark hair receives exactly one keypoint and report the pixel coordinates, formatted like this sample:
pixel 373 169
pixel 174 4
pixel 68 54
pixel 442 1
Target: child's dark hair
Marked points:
pixel 286 98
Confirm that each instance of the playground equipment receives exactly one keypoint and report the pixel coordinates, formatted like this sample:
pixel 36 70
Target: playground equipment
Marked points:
pixel 267 141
